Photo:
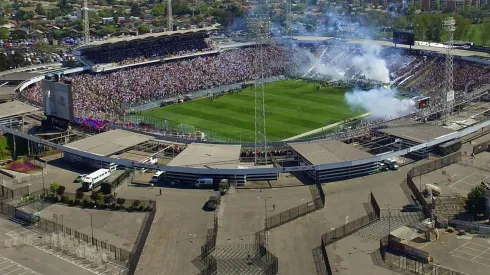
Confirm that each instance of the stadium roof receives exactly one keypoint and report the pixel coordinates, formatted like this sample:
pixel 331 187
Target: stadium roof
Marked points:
pixel 19 76
pixel 213 156
pixel 133 155
pixel 328 151
pixel 15 108
pixel 415 131
pixel 148 36
pixel 109 143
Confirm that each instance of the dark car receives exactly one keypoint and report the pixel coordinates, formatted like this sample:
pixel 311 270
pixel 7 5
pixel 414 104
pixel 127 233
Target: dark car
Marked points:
pixel 410 208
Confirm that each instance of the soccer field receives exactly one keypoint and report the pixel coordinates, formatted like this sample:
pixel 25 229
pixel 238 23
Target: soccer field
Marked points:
pixel 292 107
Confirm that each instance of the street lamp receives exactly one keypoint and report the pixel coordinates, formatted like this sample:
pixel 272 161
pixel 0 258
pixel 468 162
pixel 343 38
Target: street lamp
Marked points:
pixel 389 219
pixel 91 224
pixel 265 208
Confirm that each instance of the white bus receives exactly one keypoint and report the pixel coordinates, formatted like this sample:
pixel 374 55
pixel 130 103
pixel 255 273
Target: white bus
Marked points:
pixel 157 177
pixel 94 179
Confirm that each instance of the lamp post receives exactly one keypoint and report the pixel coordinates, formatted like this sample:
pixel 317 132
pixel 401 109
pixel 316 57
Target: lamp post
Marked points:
pixel 265 209
pixel 389 219
pixel 91 225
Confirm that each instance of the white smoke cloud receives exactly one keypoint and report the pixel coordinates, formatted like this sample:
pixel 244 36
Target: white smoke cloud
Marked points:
pixel 380 102
pixel 371 65
pixel 334 73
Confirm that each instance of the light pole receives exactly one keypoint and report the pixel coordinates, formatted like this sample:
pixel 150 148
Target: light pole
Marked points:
pixel 91 225
pixel 389 219
pixel 265 209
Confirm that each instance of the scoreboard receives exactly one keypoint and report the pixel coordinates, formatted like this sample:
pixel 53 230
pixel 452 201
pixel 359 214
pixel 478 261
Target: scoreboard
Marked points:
pixel 403 37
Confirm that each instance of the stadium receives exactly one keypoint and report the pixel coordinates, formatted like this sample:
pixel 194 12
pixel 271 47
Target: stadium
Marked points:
pixel 184 88
pixel 321 110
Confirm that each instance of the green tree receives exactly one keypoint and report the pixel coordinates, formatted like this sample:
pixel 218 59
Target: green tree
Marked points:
pixel 61 190
pixel 53 187
pixel 4 33
pixel 135 10
pixel 485 32
pixel 463 26
pixel 79 196
pixel 63 5
pixel 143 29
pixel 40 9
pixel 475 204
pixel 159 9
pixel 224 17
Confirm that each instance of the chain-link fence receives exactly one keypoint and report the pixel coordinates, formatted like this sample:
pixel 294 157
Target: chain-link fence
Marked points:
pixel 434 165
pixel 141 240
pixel 414 266
pixel 208 247
pixel 349 228
pixel 482 147
pixel 118 254
pixel 298 211
pixel 425 169
pixel 10 193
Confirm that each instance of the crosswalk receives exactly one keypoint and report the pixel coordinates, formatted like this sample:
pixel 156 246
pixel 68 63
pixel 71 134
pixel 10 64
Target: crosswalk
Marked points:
pixel 20 234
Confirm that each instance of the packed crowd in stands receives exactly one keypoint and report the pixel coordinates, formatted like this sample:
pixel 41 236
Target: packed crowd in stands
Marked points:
pixel 109 93
pixel 147 50
pixel 106 93
pixel 465 73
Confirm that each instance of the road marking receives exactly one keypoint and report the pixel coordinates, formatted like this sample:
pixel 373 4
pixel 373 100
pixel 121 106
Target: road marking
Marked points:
pixel 6 267
pixel 13 270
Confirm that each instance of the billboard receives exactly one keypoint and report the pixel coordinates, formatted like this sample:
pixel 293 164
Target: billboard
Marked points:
pixel 57 99
pixel 403 37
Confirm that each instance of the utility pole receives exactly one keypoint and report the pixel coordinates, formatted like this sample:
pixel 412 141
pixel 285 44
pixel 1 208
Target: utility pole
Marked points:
pixel 86 22
pixel 259 25
pixel 449 27
pixel 170 21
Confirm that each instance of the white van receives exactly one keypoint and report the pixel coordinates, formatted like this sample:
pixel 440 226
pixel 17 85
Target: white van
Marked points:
pixel 157 177
pixel 204 183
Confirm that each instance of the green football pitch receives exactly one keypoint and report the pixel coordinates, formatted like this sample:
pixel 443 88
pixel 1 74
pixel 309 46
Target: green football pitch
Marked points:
pixel 292 107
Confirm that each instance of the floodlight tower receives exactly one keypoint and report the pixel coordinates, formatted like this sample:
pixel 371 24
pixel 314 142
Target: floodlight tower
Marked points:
pixel 170 21
pixel 449 27
pixel 289 20
pixel 86 22
pixel 260 25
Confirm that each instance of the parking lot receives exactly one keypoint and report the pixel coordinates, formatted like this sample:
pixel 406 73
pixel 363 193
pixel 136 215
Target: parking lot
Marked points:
pixel 468 253
pixel 468 182
pixel 473 252
pixel 9 267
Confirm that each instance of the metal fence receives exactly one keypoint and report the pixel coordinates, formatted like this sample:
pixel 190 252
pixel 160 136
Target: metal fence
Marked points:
pixel 471 226
pixel 7 209
pixel 298 211
pixel 11 193
pixel 401 262
pixel 207 248
pixel 427 168
pixel 482 147
pixel 141 240
pixel 118 254
pixel 434 165
pixel 291 214
pixel 328 268
pixel 271 261
pixel 349 228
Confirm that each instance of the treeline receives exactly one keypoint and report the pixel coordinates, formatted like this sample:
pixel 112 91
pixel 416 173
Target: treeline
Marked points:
pixel 430 27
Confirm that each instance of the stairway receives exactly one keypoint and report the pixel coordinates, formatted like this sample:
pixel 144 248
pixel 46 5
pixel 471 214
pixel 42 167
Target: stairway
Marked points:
pixel 380 228
pixel 239 259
